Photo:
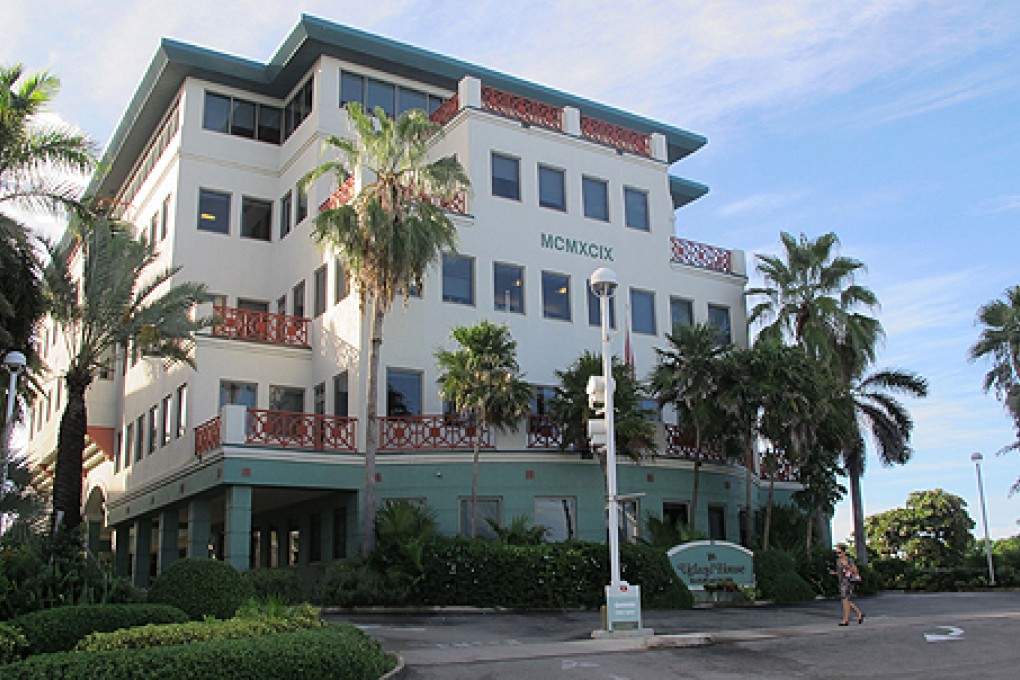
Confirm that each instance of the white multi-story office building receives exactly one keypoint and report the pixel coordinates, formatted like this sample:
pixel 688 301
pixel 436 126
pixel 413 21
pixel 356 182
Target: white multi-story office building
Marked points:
pixel 255 454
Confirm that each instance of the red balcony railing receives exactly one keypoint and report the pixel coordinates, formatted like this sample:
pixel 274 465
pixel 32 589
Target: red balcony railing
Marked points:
pixel 248 324
pixel 288 429
pixel 616 136
pixel 207 436
pixel 778 467
pixel 543 432
pixel 345 193
pixel 416 433
pixel 446 111
pixel 530 111
pixel 680 444
pixel 696 254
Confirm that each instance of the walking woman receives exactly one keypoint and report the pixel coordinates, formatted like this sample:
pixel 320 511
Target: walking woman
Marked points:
pixel 848 575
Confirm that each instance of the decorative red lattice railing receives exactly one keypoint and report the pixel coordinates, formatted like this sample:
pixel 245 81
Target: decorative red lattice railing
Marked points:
pixel 530 111
pixel 543 432
pixel 697 254
pixel 345 193
pixel 248 324
pixel 288 429
pixel 416 433
pixel 207 436
pixel 616 136
pixel 680 444
pixel 446 111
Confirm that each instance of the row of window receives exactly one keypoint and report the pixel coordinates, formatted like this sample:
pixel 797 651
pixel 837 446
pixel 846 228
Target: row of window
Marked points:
pixel 256 213
pixel 288 398
pixel 156 146
pixel 393 99
pixel 508 280
pixel 152 430
pixel 159 223
pixel 552 191
pixel 251 120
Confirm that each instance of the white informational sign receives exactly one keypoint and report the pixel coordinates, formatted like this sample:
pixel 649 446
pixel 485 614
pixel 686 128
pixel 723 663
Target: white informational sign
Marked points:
pixel 623 607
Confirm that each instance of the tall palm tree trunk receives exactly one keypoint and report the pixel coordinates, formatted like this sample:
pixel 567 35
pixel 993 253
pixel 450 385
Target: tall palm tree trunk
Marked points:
pixel 372 433
pixel 768 514
pixel 748 516
pixel 697 478
pixel 857 502
pixel 70 447
pixel 479 419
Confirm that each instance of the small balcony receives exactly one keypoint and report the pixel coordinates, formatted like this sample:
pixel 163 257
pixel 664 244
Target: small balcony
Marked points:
pixel 694 254
pixel 276 429
pixel 431 432
pixel 259 326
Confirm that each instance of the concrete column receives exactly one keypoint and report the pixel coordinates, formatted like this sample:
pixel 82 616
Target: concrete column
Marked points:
pixel 572 121
pixel 469 93
pixel 198 528
pixel 122 550
pixel 282 543
pixel 143 551
pixel 353 526
pixel 237 527
pixel 304 536
pixel 660 150
pixel 327 535
pixel 169 528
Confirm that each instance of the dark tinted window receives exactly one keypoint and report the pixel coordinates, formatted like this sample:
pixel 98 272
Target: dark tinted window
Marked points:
pixel 458 279
pixel 506 176
pixel 379 94
pixel 681 312
pixel 269 123
pixel 719 317
pixel 352 89
pixel 596 198
pixel 555 296
pixel 636 208
pixel 642 305
pixel 410 99
pixel 403 392
pixel 508 287
pixel 551 188
pixel 217 113
pixel 256 219
pixel 213 211
pixel 242 121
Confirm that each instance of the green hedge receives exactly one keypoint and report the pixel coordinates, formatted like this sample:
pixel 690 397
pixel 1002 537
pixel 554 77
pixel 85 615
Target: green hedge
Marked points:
pixel 333 651
pixel 202 587
pixel 775 572
pixel 200 631
pixel 60 629
pixel 567 575
pixel 13 644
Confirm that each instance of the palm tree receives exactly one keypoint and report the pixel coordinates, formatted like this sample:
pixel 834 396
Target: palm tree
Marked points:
pixel 1000 342
pixel 116 300
pixel 810 299
pixel 635 434
pixel 35 161
pixel 878 412
pixel 389 234
pixel 687 375
pixel 482 378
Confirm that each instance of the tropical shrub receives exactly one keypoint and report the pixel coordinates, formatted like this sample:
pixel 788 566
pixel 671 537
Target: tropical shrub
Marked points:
pixel 775 573
pixel 201 587
pixel 190 632
pixel 60 629
pixel 326 652
pixel 13 643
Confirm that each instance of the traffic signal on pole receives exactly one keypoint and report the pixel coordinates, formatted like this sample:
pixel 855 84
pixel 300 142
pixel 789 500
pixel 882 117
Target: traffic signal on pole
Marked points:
pixel 597 394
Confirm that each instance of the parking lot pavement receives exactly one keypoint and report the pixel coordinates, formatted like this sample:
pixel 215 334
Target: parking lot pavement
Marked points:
pixel 909 631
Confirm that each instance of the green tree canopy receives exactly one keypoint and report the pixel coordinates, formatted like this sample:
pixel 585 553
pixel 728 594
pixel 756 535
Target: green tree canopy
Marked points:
pixel 482 378
pixel 932 530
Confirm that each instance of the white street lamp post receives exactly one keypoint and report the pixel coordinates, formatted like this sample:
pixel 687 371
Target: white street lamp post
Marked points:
pixel 604 283
pixel 977 457
pixel 14 362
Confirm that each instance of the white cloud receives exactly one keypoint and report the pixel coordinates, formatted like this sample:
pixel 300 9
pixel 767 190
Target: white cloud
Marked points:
pixel 756 204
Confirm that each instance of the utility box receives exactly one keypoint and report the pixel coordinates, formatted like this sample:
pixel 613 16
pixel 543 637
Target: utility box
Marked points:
pixel 623 607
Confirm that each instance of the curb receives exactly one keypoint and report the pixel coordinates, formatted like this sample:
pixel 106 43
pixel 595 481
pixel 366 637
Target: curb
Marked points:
pixel 397 672
pixel 678 641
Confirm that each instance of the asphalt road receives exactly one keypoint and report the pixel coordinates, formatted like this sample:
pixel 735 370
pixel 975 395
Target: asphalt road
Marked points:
pixel 929 636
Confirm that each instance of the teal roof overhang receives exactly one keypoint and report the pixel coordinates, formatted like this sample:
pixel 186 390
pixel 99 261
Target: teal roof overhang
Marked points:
pixel 311 38
pixel 683 191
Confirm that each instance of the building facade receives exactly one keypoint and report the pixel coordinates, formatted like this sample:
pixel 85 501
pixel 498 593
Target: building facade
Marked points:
pixel 255 455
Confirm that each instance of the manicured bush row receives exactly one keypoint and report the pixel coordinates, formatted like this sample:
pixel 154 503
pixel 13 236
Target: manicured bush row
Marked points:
pixel 60 629
pixel 198 631
pixel 775 573
pixel 201 587
pixel 550 576
pixel 333 651
pixel 900 574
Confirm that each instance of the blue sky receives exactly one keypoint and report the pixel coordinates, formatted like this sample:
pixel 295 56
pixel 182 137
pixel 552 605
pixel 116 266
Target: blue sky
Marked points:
pixel 894 124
